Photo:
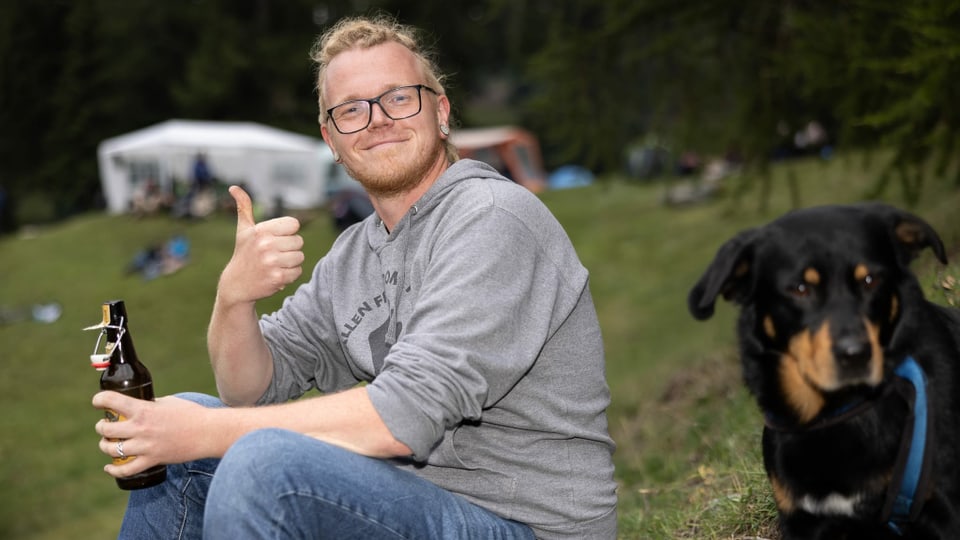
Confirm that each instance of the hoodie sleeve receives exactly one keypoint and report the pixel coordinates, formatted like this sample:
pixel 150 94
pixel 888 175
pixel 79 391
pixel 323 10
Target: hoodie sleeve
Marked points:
pixel 495 283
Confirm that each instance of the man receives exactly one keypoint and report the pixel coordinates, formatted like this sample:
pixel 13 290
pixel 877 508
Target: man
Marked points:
pixel 460 304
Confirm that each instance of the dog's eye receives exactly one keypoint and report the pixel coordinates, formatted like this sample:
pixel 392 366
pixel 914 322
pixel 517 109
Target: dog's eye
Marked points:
pixel 869 282
pixel 800 290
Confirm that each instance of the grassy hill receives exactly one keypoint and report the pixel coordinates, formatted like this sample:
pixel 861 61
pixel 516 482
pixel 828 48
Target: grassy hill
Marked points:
pixel 687 434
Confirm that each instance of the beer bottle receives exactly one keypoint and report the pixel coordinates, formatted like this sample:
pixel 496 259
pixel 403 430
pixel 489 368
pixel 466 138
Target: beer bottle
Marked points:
pixel 125 374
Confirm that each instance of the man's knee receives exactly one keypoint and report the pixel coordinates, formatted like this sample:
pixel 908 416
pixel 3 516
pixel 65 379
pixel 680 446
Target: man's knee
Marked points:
pixel 206 400
pixel 259 449
pixel 259 461
pixel 253 477
pixel 273 462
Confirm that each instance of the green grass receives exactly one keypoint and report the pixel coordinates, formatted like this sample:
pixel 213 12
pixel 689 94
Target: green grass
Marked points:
pixel 687 459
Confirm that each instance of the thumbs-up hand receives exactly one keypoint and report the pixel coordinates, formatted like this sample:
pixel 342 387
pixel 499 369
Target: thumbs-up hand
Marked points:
pixel 266 256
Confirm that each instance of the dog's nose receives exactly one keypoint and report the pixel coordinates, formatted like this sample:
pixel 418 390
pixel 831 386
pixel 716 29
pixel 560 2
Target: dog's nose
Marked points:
pixel 852 354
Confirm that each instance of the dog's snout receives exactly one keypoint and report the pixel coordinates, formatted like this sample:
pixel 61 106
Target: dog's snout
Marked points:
pixel 852 353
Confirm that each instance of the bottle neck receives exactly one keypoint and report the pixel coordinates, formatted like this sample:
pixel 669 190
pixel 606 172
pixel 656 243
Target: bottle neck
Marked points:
pixel 120 339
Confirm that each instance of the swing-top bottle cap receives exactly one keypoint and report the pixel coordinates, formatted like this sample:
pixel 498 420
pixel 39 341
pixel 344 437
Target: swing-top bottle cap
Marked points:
pixel 105 320
pixel 100 361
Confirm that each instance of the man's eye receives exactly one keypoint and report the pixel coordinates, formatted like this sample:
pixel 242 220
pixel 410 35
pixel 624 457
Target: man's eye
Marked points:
pixel 347 111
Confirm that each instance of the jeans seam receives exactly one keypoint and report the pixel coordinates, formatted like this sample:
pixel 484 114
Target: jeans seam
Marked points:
pixel 344 508
pixel 190 473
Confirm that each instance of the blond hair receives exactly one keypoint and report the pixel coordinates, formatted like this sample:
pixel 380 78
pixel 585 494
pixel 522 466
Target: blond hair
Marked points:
pixel 364 33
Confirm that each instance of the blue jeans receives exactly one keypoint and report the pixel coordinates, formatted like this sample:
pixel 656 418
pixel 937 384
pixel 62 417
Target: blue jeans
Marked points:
pixel 275 483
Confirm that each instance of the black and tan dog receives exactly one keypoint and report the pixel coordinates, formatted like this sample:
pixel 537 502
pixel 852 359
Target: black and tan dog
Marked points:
pixel 857 374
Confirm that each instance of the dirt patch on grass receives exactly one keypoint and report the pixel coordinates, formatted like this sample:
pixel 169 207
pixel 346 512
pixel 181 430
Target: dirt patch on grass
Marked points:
pixel 716 377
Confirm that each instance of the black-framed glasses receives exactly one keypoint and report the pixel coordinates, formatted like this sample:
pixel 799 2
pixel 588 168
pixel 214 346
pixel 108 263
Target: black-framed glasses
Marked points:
pixel 399 103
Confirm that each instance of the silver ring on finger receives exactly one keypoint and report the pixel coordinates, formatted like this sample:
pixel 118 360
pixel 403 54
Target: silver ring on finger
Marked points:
pixel 120 450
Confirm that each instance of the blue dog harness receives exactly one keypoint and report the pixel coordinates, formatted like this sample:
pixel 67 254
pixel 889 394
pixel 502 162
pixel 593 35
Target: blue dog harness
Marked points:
pixel 906 499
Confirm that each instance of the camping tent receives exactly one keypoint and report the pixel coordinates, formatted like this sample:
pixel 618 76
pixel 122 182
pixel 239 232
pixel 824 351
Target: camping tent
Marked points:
pixel 274 165
pixel 513 151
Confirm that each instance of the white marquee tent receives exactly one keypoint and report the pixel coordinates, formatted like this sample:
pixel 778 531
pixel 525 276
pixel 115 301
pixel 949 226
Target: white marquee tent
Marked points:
pixel 274 165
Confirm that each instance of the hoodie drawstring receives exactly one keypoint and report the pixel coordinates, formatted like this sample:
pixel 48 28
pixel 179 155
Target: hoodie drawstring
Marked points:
pixel 393 324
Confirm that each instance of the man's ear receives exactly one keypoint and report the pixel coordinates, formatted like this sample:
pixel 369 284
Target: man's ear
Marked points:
pixel 325 133
pixel 728 275
pixel 443 111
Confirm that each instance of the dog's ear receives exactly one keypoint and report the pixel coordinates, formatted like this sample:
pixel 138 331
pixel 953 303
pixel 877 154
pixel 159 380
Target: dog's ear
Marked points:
pixel 911 234
pixel 728 275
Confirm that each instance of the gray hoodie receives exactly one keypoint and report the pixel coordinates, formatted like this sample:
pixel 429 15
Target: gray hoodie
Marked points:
pixel 473 324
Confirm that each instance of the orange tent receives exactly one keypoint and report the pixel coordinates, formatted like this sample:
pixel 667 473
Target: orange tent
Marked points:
pixel 513 151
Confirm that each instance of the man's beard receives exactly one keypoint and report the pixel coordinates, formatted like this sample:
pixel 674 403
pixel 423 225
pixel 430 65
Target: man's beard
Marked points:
pixel 398 174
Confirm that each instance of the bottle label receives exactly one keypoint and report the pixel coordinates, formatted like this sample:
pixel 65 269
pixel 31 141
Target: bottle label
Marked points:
pixel 140 392
pixel 112 416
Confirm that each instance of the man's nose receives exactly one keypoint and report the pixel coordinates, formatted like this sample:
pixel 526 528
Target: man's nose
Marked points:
pixel 378 115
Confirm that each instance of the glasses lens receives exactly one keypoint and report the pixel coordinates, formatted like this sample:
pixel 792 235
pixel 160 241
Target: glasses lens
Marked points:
pixel 351 116
pixel 397 104
pixel 402 102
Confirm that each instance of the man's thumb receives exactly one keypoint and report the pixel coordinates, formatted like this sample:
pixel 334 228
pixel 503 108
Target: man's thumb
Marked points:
pixel 244 208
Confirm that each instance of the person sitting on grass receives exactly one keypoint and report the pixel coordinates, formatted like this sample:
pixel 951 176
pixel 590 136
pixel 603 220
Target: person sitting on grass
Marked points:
pixel 452 334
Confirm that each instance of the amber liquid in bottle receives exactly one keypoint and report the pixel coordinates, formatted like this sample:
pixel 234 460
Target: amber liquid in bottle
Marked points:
pixel 127 375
